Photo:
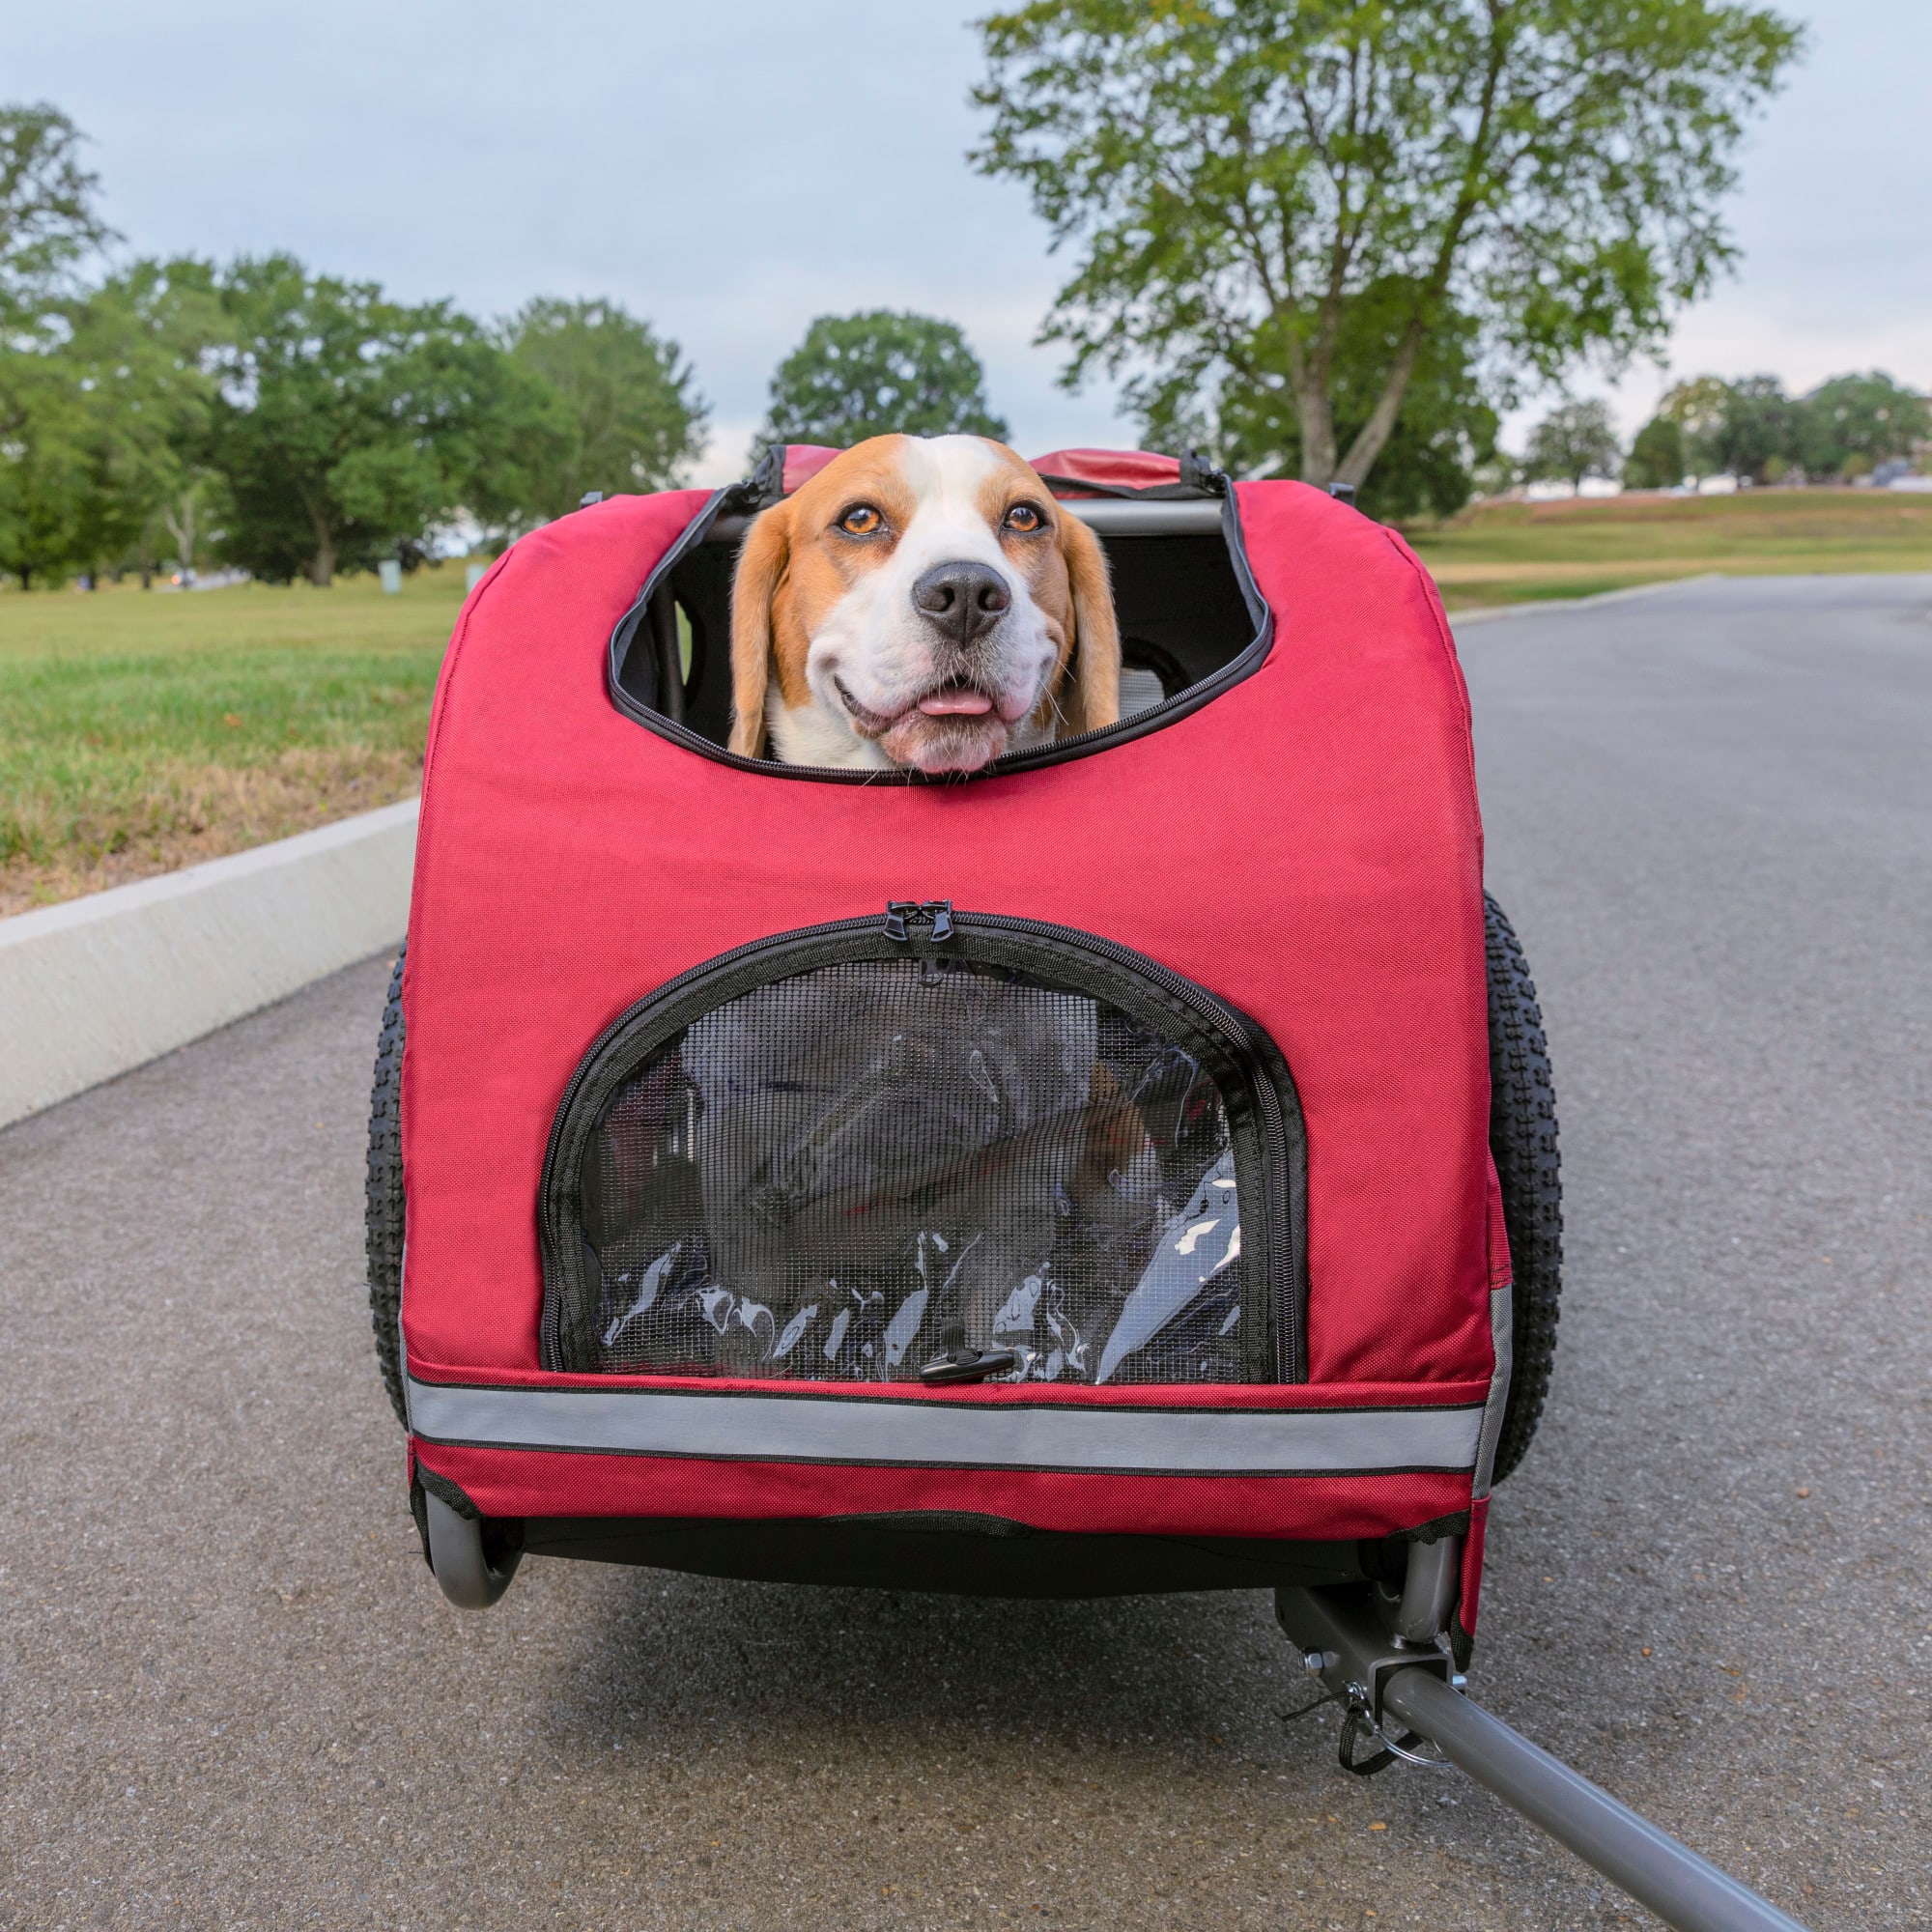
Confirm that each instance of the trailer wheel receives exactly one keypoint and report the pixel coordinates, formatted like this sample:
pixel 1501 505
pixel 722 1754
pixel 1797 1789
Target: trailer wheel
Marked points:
pixel 382 1198
pixel 472 1559
pixel 1523 1138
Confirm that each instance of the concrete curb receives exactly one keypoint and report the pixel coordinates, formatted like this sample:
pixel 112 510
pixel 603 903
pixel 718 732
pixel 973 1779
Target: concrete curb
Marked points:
pixel 97 986
pixel 1484 614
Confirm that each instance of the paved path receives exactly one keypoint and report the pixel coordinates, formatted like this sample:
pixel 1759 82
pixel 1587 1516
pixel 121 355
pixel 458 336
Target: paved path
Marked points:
pixel 230 1695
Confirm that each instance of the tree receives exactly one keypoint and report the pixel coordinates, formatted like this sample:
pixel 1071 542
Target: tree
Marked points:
pixel 1237 175
pixel 48 221
pixel 1752 431
pixel 1858 416
pixel 856 376
pixel 102 408
pixel 188 515
pixel 1696 407
pixel 48 225
pixel 138 344
pixel 1572 441
pixel 1444 431
pixel 628 415
pixel 1657 456
pixel 45 466
pixel 349 425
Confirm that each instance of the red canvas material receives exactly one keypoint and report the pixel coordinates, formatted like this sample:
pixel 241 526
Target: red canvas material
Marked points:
pixel 1306 846
pixel 1117 468
pixel 803 461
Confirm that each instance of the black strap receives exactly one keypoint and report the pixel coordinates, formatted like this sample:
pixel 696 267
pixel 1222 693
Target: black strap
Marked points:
pixel 1353 1725
pixel 1198 478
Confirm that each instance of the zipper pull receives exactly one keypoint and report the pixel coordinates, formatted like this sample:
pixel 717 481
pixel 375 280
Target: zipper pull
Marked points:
pixel 901 915
pixel 957 1363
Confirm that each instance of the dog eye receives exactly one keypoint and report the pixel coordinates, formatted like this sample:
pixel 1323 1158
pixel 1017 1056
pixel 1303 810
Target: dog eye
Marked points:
pixel 1024 519
pixel 861 521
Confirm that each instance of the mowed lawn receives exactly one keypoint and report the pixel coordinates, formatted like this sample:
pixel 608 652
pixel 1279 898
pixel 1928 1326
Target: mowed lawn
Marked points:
pixel 143 730
pixel 1509 553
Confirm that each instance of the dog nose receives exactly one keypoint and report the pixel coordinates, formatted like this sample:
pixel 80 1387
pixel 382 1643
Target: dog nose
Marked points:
pixel 962 599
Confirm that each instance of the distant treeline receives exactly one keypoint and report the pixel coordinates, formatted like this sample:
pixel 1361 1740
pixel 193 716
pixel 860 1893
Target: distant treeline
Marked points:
pixel 1841 432
pixel 289 422
pixel 298 424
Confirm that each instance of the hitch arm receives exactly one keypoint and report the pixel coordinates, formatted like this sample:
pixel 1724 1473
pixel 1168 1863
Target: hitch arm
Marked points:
pixel 1342 1640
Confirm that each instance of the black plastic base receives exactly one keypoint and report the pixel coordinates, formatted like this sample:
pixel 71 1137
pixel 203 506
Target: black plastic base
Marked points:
pixel 962 1555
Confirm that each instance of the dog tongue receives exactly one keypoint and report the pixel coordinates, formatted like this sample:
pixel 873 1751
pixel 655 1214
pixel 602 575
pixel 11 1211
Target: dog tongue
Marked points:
pixel 955 702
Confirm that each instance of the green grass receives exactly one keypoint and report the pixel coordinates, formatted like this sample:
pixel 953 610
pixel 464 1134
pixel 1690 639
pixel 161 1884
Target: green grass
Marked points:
pixel 141 731
pixel 145 730
pixel 1507 552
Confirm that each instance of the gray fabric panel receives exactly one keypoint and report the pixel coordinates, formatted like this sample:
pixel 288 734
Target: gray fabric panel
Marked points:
pixel 801 1429
pixel 1502 1333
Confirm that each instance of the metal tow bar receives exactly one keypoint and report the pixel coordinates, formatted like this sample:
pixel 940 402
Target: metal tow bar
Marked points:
pixel 1343 1641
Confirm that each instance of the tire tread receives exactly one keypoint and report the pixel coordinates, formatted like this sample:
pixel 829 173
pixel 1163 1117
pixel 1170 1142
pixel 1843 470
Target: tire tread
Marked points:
pixel 1522 1140
pixel 382 1211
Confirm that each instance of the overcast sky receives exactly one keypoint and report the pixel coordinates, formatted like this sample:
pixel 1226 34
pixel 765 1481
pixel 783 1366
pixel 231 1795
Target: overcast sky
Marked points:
pixel 731 171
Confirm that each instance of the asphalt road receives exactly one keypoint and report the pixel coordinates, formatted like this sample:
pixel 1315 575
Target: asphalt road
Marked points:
pixel 230 1694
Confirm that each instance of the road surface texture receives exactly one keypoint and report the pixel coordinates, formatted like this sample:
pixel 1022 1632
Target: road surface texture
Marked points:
pixel 230 1694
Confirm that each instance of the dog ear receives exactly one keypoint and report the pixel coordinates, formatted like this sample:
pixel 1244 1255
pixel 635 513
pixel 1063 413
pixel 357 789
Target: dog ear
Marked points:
pixel 762 564
pixel 1092 696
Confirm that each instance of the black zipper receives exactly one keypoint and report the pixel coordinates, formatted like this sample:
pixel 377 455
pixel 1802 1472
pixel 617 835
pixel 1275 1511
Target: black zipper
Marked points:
pixel 1168 712
pixel 934 921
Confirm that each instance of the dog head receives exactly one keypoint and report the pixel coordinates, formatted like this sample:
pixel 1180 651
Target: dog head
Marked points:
pixel 920 603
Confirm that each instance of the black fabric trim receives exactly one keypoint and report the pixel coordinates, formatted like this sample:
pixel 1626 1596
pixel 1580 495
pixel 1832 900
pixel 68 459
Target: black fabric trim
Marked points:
pixel 447 1491
pixel 635 622
pixel 963 1556
pixel 419 1514
pixel 1433 1531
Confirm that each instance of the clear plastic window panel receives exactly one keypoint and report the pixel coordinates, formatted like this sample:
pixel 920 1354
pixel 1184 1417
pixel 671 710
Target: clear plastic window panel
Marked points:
pixel 823 1177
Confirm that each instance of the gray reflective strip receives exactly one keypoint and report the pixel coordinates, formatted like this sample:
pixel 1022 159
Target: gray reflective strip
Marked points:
pixel 804 1428
pixel 1502 1334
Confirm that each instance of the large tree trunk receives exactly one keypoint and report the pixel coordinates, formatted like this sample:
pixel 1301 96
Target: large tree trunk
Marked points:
pixel 1368 444
pixel 1317 416
pixel 322 565
pixel 180 519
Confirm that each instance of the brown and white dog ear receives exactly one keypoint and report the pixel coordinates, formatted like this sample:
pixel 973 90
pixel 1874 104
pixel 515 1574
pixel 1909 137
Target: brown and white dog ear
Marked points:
pixel 1091 695
pixel 762 565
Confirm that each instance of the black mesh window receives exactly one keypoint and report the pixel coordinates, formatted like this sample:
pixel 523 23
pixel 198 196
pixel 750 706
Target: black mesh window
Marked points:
pixel 821 1176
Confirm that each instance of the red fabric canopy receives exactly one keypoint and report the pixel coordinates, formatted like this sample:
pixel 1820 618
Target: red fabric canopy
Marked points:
pixel 1306 846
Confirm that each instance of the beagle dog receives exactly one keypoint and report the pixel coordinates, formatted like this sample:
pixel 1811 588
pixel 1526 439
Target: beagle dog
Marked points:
pixel 919 604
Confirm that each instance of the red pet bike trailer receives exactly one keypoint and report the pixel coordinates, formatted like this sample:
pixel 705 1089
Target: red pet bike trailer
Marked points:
pixel 1130 1169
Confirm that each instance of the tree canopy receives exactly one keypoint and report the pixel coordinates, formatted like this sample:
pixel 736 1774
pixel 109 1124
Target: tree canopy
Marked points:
pixel 629 417
pixel 1851 424
pixel 1572 441
pixel 856 376
pixel 1657 459
pixel 348 425
pixel 1753 433
pixel 1444 430
pixel 99 408
pixel 48 219
pixel 1843 429
pixel 1243 181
